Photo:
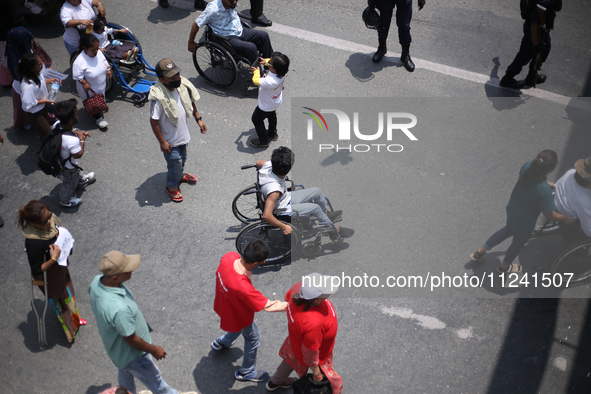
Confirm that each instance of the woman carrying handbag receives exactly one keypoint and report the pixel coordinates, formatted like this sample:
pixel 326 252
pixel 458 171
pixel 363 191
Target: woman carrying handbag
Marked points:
pixel 91 70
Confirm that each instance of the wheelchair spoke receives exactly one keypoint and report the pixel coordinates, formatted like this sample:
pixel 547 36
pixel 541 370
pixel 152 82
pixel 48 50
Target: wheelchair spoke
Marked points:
pixel 575 260
pixel 245 205
pixel 280 245
pixel 215 64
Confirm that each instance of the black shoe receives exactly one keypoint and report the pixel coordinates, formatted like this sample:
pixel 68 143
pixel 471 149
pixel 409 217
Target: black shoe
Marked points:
pixel 510 82
pixel 262 20
pixel 407 62
pixel 200 5
pixel 539 78
pixel 1 222
pixel 344 233
pixel 273 137
pixel 163 3
pixel 332 215
pixel 377 57
pixel 257 144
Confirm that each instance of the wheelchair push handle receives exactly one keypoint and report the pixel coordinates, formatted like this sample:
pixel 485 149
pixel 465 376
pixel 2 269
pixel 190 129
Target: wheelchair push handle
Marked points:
pixel 248 166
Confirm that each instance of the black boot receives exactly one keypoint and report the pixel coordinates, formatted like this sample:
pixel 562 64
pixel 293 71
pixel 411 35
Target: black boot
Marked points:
pixel 377 57
pixel 534 78
pixel 200 5
pixel 163 3
pixel 508 81
pixel 256 13
pixel 406 60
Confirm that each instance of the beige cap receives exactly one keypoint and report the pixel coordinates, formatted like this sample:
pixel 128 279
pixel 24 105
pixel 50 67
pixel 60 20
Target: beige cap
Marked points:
pixel 115 262
pixel 583 167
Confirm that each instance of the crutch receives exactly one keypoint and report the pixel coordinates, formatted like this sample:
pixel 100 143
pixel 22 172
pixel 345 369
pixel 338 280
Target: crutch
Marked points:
pixel 40 322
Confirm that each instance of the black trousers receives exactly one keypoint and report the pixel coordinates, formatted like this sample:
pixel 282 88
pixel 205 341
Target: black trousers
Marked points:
pixel 258 119
pixel 526 52
pixel 250 43
pixel 403 17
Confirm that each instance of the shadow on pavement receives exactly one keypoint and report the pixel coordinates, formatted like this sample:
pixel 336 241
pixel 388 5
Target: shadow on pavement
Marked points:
pixel 153 191
pixel 53 330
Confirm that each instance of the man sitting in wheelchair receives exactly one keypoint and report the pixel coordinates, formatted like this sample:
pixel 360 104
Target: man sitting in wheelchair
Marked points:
pixel 572 196
pixel 222 17
pixel 303 201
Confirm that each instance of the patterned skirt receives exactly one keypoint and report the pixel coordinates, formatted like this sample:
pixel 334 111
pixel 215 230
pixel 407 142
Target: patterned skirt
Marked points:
pixel 62 298
pixel 286 353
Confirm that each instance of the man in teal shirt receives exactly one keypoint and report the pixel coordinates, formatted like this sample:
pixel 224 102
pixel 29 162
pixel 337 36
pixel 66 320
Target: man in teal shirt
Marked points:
pixel 122 326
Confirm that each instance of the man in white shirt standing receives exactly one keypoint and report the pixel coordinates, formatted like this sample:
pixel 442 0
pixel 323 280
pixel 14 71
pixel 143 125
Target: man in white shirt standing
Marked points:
pixel 270 97
pixel 173 101
pixel 572 196
pixel 73 142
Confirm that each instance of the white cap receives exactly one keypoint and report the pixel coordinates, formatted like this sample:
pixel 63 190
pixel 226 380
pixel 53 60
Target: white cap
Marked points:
pixel 316 285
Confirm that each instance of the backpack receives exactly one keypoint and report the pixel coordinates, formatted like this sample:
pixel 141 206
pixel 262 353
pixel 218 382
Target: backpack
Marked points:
pixel 49 158
pixel 527 8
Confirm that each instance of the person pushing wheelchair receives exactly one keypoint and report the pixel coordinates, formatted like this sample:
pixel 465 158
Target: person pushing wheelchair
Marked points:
pixel 304 201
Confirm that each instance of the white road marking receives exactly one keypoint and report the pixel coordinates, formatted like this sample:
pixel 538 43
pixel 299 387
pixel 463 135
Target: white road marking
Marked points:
pixel 424 64
pixel 429 322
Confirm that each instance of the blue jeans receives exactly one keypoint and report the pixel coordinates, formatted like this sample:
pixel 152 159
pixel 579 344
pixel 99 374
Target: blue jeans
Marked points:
pixel 147 372
pixel 70 48
pixel 310 202
pixel 175 160
pixel 514 248
pixel 251 343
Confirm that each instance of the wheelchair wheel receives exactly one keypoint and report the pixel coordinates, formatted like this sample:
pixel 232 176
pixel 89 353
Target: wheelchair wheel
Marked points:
pixel 575 260
pixel 545 226
pixel 215 64
pixel 281 246
pixel 311 249
pixel 245 205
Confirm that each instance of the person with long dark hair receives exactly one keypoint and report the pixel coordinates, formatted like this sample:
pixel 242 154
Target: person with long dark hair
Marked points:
pixel 34 94
pixel 41 229
pixel 531 196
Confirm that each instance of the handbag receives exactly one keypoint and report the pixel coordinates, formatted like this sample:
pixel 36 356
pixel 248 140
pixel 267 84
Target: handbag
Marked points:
pixel 95 104
pixel 307 385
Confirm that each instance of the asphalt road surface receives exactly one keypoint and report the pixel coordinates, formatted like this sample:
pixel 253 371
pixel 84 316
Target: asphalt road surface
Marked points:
pixel 418 210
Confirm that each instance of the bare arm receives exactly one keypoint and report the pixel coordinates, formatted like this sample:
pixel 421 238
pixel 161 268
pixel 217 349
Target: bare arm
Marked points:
pixel 268 213
pixel 192 43
pixel 200 122
pixel 138 343
pixel 164 146
pixel 275 306
pixel 567 219
pixel 82 135
pixel 100 7
pixel 54 251
pixel 260 163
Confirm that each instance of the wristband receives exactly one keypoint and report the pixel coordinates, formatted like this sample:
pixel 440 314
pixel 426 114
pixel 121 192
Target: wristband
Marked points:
pixel 199 118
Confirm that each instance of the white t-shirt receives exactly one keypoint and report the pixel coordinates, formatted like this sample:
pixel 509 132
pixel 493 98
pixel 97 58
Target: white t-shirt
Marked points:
pixel 70 146
pixel 93 70
pixel 31 93
pixel 270 92
pixel 175 136
pixel 69 12
pixel 103 37
pixel 572 199
pixel 269 183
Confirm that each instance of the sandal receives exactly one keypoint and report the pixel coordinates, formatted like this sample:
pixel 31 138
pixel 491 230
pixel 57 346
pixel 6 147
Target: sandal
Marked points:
pixel 478 257
pixel 513 269
pixel 188 178
pixel 175 195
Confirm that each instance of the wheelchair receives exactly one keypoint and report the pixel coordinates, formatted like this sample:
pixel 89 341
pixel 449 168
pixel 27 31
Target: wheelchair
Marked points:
pixel 248 206
pixel 125 75
pixel 575 260
pixel 217 62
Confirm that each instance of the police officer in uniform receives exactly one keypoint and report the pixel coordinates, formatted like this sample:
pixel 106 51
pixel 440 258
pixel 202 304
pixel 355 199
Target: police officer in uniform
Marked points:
pixel 403 17
pixel 539 20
